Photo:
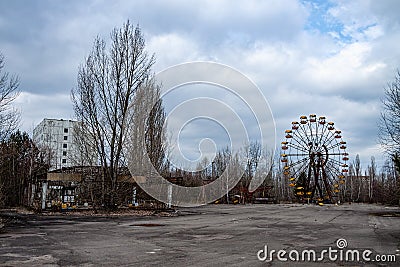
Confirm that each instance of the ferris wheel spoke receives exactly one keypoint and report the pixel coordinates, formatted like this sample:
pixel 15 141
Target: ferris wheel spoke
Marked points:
pixel 330 138
pixel 297 147
pixel 298 162
pixel 333 146
pixel 341 145
pixel 324 127
pixel 334 173
pixel 297 134
pixel 296 138
pixel 338 154
pixel 311 133
pixel 335 170
pixel 328 127
pixel 326 183
pixel 331 165
pixel 333 160
pixel 327 138
pixel 300 168
pixel 305 133
pixel 298 173
pixel 334 166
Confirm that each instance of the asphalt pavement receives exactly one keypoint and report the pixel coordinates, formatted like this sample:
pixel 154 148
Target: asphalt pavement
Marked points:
pixel 212 235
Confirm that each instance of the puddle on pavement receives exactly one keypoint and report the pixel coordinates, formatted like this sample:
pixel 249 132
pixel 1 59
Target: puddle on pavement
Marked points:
pixel 148 224
pixel 386 214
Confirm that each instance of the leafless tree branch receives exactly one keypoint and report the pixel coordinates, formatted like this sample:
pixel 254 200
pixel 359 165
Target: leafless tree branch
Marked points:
pixel 9 116
pixel 107 83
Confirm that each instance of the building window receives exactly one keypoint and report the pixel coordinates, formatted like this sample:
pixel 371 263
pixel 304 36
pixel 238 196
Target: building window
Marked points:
pixel 64 153
pixel 64 160
pixel 65 137
pixel 65 130
pixel 64 145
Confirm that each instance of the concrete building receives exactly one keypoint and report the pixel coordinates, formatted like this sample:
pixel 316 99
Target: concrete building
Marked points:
pixel 57 135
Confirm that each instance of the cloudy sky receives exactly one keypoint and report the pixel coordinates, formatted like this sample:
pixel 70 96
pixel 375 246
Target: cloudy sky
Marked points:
pixel 331 58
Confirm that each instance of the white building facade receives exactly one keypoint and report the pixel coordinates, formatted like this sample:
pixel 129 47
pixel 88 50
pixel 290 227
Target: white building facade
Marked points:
pixel 57 135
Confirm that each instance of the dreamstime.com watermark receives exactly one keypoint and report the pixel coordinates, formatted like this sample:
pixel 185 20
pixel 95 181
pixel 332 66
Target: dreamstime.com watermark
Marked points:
pixel 338 253
pixel 234 103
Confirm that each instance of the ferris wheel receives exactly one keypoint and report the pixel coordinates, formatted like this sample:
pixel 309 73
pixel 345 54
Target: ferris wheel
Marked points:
pixel 314 160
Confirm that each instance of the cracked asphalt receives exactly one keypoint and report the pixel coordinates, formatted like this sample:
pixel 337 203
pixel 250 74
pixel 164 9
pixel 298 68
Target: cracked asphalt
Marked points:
pixel 212 235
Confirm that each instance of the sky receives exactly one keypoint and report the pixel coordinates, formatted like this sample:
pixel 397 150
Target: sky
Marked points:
pixel 330 58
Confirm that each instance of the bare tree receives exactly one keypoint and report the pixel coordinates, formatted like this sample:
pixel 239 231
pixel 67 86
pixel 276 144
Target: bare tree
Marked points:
pixel 83 147
pixel 350 184
pixel 20 161
pixel 252 153
pixel 155 136
pixel 9 116
pixel 389 125
pixel 202 168
pixel 371 180
pixel 107 83
pixel 149 126
pixel 221 160
pixel 390 184
pixel 358 171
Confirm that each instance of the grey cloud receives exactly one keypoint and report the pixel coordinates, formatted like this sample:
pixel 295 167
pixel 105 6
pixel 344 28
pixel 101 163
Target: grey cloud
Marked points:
pixel 299 71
